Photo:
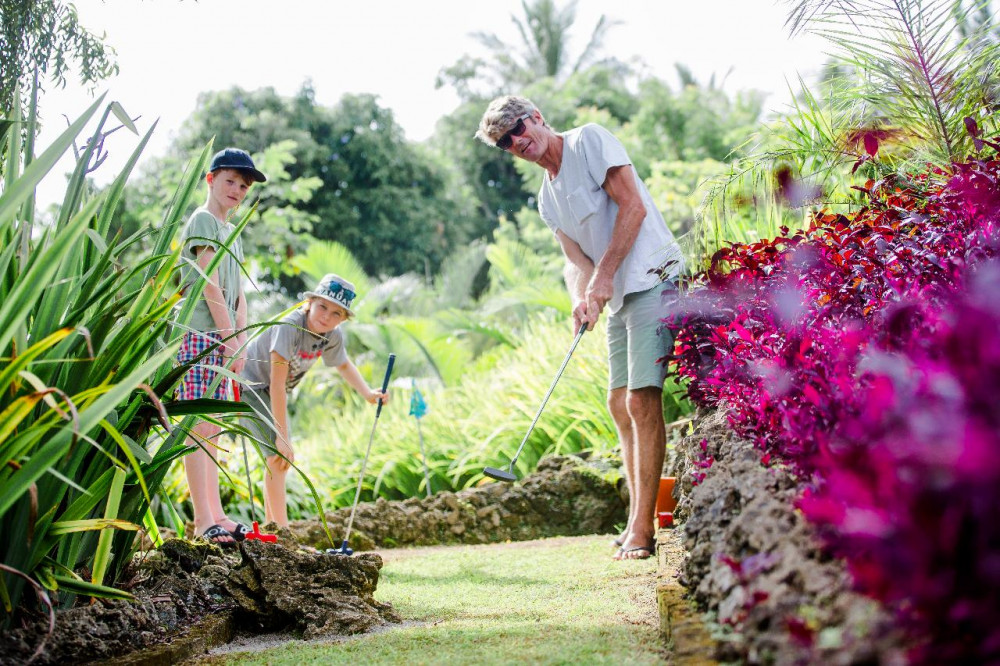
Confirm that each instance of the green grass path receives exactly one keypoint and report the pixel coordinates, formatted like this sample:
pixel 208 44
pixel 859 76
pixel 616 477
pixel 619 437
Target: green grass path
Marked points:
pixel 551 601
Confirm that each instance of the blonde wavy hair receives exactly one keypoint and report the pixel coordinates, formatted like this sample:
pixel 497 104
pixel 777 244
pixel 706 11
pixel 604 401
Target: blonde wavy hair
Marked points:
pixel 501 115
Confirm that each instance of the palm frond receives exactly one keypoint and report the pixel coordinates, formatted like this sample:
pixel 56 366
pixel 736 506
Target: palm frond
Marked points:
pixel 914 68
pixel 456 281
pixel 322 257
pixel 595 43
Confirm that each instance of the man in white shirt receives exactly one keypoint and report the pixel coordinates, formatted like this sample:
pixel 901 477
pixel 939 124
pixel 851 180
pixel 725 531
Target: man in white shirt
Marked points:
pixel 614 240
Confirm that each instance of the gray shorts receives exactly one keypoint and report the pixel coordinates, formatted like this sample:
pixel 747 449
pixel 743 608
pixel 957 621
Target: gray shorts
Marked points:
pixel 635 340
pixel 260 426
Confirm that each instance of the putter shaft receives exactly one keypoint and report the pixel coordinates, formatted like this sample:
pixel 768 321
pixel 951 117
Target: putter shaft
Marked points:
pixel 576 341
pixel 361 478
pixel 364 464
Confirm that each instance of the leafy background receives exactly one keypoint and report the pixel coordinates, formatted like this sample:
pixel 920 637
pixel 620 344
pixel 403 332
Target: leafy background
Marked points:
pixel 838 249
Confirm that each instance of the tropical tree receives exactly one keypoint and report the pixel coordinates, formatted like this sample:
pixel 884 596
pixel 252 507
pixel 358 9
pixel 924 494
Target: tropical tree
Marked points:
pixel 43 40
pixel 692 123
pixel 392 203
pixel 543 51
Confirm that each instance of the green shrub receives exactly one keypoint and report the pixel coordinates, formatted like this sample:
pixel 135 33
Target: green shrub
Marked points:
pixel 87 344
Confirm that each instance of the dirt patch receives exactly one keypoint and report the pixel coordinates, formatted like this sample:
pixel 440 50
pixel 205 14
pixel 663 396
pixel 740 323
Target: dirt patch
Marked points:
pixel 756 564
pixel 566 496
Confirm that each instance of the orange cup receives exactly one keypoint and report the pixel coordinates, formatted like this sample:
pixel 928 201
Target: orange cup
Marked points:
pixel 665 502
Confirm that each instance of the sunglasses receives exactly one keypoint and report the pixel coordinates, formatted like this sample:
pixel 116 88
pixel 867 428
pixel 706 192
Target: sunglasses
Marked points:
pixel 335 288
pixel 507 140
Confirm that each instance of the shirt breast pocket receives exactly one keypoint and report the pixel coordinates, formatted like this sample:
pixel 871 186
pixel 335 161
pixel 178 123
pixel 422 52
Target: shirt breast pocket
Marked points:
pixel 582 204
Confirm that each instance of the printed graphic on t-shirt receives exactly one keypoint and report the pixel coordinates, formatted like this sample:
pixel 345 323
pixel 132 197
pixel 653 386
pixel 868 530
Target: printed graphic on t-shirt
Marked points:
pixel 303 360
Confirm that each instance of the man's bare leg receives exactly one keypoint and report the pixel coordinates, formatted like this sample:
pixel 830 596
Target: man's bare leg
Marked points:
pixel 645 409
pixel 623 423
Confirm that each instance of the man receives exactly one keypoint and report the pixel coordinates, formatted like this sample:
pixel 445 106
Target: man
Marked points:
pixel 612 237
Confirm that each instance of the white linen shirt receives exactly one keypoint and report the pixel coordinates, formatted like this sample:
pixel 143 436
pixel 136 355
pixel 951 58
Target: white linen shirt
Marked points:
pixel 575 203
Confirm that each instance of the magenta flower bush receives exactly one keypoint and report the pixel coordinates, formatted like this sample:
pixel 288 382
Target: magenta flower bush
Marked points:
pixel 911 482
pixel 864 352
pixel 776 333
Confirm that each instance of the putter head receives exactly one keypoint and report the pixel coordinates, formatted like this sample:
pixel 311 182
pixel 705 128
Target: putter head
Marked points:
pixel 343 550
pixel 256 534
pixel 499 474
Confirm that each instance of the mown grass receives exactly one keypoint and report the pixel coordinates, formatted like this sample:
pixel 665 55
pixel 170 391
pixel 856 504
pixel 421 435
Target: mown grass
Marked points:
pixel 552 601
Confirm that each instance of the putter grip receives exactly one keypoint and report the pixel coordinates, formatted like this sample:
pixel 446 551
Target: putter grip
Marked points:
pixel 385 381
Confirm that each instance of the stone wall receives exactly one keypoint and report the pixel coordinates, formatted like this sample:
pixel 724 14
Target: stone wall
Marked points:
pixel 263 587
pixel 756 564
pixel 565 496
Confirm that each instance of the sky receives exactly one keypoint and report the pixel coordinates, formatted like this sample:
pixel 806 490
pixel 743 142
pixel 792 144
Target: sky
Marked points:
pixel 169 51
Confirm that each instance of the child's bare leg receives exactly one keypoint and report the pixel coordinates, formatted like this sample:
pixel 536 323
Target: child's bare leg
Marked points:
pixel 214 496
pixel 275 508
pixel 203 478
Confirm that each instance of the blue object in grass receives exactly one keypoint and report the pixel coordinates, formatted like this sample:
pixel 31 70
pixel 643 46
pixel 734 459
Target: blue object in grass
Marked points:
pixel 418 406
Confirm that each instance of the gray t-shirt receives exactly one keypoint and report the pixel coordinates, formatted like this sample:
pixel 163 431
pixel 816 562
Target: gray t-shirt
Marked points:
pixel 290 339
pixel 575 203
pixel 204 230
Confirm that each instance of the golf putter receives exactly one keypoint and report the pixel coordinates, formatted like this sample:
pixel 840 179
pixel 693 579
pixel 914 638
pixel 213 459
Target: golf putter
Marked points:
pixel 344 548
pixel 256 533
pixel 508 474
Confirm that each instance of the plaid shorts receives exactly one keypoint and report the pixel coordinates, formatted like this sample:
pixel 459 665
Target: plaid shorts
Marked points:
pixel 196 381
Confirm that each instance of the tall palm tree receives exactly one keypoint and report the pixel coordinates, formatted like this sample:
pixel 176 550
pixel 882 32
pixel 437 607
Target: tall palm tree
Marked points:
pixel 545 31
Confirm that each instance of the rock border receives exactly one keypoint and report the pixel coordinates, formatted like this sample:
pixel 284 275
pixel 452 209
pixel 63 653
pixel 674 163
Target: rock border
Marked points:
pixel 757 566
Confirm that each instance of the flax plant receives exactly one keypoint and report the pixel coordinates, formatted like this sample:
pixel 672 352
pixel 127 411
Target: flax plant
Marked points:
pixel 86 343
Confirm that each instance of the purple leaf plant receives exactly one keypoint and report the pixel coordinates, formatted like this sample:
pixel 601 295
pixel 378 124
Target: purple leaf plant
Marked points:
pixel 864 352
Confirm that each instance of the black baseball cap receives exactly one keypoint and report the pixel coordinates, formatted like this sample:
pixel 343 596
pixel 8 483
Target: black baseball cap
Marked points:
pixel 234 158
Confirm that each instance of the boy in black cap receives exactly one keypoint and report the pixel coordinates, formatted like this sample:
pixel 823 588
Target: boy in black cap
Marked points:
pixel 219 317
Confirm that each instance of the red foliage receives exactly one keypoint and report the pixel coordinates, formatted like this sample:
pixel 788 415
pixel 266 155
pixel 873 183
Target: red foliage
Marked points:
pixel 777 331
pixel 865 352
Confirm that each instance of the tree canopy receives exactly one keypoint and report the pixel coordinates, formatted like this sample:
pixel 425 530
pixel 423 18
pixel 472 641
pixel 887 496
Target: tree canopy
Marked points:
pixel 389 200
pixel 45 36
